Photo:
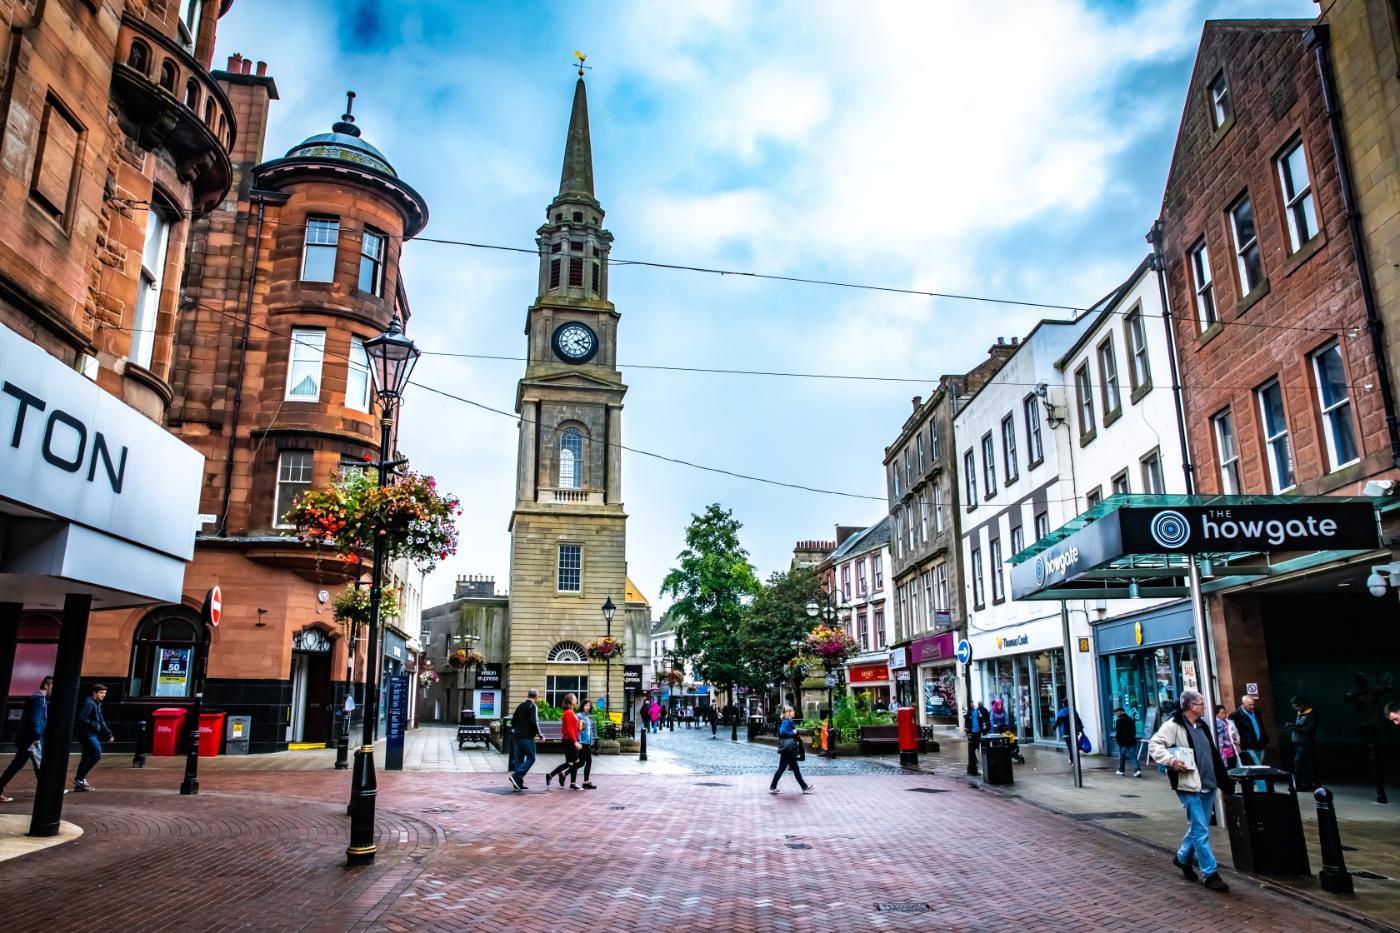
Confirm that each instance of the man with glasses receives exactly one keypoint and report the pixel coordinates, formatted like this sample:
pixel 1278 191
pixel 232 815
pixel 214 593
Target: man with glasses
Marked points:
pixel 1186 748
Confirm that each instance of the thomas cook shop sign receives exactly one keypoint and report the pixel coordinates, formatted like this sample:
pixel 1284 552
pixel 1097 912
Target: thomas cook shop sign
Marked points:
pixel 1199 529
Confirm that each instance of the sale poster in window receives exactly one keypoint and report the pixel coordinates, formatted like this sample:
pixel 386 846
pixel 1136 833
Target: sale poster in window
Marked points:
pixel 173 673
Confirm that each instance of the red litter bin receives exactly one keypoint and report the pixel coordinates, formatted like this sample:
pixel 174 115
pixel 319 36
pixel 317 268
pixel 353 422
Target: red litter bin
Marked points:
pixel 211 734
pixel 165 739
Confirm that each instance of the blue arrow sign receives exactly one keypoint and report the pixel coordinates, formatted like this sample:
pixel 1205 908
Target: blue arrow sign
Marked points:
pixel 964 652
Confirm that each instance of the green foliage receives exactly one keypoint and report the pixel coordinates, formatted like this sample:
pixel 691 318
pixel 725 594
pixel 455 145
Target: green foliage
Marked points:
pixel 772 630
pixel 549 713
pixel 712 587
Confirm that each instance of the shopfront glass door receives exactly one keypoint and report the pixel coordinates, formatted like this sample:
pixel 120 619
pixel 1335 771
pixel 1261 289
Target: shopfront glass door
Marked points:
pixel 1049 669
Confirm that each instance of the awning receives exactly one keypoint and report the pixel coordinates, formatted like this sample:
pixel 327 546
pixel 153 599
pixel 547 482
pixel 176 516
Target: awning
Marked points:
pixel 1141 545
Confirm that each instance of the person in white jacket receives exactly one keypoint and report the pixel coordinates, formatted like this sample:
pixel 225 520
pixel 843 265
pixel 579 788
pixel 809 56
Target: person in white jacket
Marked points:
pixel 1185 746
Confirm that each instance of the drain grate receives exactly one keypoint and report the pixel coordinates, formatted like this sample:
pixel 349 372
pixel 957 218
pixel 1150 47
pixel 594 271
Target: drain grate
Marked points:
pixel 712 784
pixel 1107 815
pixel 617 806
pixel 1368 875
pixel 803 845
pixel 1129 796
pixel 927 790
pixel 906 908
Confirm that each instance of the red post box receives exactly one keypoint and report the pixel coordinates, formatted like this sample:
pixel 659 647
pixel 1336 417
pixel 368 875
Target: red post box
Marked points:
pixel 211 734
pixel 165 738
pixel 908 736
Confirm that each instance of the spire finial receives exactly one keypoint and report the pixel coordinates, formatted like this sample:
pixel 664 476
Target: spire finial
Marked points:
pixel 577 176
pixel 581 59
pixel 346 124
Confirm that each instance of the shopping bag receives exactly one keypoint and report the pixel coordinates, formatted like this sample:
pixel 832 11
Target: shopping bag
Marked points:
pixel 1084 745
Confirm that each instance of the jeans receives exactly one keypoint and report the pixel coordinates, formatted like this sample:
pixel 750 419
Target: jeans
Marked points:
pixel 788 760
pixel 1069 747
pixel 524 758
pixel 1127 754
pixel 1305 766
pixel 1199 807
pixel 92 754
pixel 23 756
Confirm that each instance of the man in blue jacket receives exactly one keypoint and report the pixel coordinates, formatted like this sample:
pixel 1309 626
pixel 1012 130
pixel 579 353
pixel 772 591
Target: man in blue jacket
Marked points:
pixel 92 732
pixel 29 735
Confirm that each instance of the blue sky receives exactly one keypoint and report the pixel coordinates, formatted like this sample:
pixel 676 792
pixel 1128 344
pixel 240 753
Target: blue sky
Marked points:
pixel 1011 149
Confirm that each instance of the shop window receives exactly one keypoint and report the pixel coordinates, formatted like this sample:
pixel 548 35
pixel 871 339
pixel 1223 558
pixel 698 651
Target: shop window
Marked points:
pixel 557 687
pixel 35 653
pixel 163 655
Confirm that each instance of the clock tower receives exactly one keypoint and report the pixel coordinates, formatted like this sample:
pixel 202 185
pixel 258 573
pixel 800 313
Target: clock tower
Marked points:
pixel 568 530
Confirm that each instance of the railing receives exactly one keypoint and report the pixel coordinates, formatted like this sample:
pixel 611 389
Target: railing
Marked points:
pixel 571 496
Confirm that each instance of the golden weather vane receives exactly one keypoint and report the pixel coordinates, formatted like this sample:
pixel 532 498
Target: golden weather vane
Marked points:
pixel 581 66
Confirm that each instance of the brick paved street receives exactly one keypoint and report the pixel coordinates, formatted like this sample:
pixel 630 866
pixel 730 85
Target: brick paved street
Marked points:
pixel 263 850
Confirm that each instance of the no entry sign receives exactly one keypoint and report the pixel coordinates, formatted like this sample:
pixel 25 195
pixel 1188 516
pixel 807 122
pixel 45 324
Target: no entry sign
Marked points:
pixel 214 606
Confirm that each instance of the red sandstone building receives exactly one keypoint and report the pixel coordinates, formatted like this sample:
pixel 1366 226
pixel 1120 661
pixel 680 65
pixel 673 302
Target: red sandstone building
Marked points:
pixel 283 287
pixel 1277 346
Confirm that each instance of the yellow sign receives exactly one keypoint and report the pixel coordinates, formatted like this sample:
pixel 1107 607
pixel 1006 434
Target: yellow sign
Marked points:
pixel 615 718
pixel 1137 632
pixel 1084 645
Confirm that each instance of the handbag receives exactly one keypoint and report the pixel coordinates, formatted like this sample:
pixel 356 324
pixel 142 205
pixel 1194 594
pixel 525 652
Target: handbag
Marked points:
pixel 1085 745
pixel 801 751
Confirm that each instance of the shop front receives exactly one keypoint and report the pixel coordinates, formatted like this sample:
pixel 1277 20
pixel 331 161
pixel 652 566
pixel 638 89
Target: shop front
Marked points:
pixel 934 659
pixel 1025 671
pixel 1145 661
pixel 870 677
pixel 903 676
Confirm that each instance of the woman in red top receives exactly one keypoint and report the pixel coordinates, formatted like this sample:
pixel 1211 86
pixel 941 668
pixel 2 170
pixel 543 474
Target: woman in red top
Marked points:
pixel 571 745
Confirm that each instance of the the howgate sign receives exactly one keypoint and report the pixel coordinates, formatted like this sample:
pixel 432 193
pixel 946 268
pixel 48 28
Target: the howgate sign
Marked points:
pixel 1304 525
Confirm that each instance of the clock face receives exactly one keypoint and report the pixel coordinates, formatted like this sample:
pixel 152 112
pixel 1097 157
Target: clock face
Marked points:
pixel 575 342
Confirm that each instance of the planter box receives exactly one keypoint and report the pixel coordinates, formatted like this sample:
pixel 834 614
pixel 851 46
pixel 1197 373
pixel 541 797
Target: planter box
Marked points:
pixel 609 747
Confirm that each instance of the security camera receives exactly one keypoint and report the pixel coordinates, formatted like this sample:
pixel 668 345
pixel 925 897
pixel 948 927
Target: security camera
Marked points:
pixel 1376 584
pixel 1378 487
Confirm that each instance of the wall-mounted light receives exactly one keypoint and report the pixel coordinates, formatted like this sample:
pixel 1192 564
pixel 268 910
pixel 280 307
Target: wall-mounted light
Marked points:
pixel 260 623
pixel 1132 589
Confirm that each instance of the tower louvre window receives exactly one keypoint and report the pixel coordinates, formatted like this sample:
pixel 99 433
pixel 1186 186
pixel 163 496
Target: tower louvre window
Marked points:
pixel 554 273
pixel 576 273
pixel 597 277
pixel 578 217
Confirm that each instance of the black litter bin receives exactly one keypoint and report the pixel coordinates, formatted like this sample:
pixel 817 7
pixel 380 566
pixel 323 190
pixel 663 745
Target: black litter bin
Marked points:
pixel 996 760
pixel 1266 828
pixel 754 728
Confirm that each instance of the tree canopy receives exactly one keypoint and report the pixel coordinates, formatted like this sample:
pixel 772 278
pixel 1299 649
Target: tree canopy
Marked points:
pixel 712 586
pixel 775 625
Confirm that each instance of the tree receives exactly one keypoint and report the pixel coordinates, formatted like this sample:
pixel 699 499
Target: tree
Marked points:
pixel 776 624
pixel 712 587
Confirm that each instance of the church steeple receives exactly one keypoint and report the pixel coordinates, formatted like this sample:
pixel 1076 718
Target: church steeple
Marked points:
pixel 577 176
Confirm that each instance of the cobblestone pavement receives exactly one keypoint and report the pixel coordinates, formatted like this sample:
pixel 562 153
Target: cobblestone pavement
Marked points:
pixel 259 850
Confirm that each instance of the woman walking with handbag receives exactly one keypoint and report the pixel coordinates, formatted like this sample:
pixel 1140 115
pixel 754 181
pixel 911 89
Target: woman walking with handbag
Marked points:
pixel 790 752
pixel 587 738
pixel 569 733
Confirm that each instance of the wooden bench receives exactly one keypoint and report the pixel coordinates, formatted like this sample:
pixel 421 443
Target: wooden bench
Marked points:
pixel 553 733
pixel 879 739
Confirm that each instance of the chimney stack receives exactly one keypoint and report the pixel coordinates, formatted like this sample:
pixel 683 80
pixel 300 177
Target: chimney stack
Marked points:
pixel 262 69
pixel 235 63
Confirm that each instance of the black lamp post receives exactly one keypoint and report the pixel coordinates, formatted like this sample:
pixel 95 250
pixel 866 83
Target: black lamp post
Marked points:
pixel 391 359
pixel 827 610
pixel 608 610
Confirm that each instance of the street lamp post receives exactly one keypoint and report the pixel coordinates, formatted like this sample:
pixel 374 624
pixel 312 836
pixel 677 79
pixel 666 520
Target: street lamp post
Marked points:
pixel 608 610
pixel 827 610
pixel 391 359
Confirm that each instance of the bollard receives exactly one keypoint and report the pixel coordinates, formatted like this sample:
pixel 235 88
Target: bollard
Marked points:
pixel 734 728
pixel 1334 876
pixel 642 756
pixel 138 760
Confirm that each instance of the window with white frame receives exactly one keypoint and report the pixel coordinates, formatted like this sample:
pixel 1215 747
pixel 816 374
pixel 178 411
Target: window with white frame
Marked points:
pixel 357 377
pixel 877 571
pixel 1248 260
pixel 1153 482
pixel 1093 497
pixel 1108 379
pixel 937 509
pixel 919 445
pixel 1018 540
pixel 1219 93
pixel 1008 448
pixel 862 581
pixel 308 349
pixel 989 466
pixel 1334 400
pixel 570 459
pixel 1042 525
pixel 1276 443
pixel 1297 197
pixel 923 519
pixel 935 450
pixel 293 479
pixel 897 539
pixel 864 631
pixel 190 15
pixel 1030 407
pixel 978 598
pixel 318 258
pixel 879 622
pixel 901 621
pixel 926 578
pixel 1139 367
pixel 1120 484
pixel 1205 289
pixel 940 575
pixel 970 479
pixel 908 469
pixel 1227 450
pixel 894 474
pixel 373 245
pixel 153 259
pixel 915 619
pixel 998 583
pixel 910 526
pixel 1084 396
pixel 570 577
pixel 846 582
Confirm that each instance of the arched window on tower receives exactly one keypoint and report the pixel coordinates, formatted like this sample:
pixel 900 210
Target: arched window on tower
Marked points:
pixel 570 459
pixel 167 75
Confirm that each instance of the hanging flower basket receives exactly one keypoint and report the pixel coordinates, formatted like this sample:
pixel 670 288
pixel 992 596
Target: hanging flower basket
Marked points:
pixel 466 657
pixel 427 679
pixel 410 517
pixel 671 677
pixel 604 649
pixel 830 644
pixel 351 605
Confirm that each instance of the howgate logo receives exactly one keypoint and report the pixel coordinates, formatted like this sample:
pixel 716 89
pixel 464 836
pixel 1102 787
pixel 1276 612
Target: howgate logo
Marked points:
pixel 1170 529
pixel 1046 566
pixel 1276 531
